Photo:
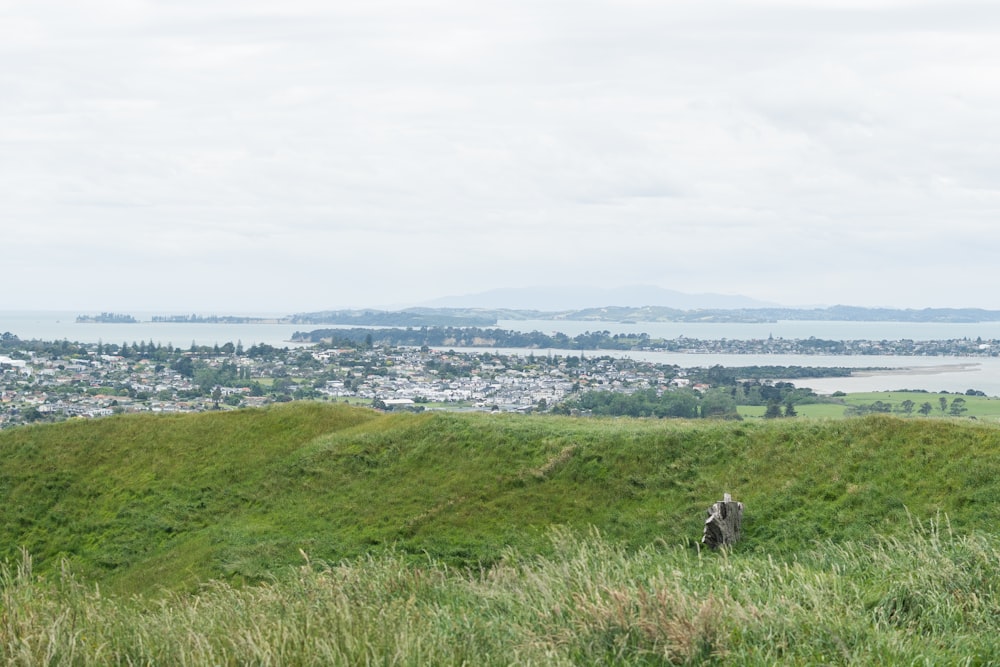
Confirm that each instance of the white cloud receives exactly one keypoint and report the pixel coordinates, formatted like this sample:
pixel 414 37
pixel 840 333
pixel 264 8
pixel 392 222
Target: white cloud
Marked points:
pixel 796 153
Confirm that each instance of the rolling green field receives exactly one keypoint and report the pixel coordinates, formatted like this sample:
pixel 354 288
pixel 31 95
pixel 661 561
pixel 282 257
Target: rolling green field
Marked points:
pixel 311 533
pixel 814 411
pixel 980 407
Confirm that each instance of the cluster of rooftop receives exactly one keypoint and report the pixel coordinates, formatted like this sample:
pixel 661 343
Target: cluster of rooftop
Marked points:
pixel 59 380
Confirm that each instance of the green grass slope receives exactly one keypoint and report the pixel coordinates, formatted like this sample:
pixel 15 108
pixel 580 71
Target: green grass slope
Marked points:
pixel 140 502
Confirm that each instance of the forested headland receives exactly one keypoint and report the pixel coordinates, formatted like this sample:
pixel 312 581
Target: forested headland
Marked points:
pixel 464 337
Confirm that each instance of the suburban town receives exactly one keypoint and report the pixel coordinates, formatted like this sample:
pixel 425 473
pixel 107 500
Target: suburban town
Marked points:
pixel 62 380
pixel 53 381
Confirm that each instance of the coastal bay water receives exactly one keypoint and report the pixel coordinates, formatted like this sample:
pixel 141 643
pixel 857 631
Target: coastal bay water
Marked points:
pixel 928 373
pixel 62 325
pixel 939 373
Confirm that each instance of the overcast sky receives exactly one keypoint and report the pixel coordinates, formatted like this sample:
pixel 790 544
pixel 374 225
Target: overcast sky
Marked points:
pixel 289 155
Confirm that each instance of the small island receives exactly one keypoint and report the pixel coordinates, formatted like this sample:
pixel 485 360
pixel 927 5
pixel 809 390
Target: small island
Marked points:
pixel 107 318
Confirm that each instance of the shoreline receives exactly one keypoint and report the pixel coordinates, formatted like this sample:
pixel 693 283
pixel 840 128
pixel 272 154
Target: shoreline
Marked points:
pixel 969 367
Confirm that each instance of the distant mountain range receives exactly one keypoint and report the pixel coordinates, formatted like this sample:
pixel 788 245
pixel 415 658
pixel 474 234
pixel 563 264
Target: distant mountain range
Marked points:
pixel 554 299
pixel 479 317
pixel 636 303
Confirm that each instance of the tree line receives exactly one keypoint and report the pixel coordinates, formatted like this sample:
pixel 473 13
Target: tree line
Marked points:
pixel 720 402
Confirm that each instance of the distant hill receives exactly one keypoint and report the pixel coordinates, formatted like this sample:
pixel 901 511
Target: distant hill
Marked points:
pixel 578 298
pixel 142 501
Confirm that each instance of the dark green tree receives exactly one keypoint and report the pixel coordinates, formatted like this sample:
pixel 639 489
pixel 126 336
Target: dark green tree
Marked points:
pixel 718 403
pixel 184 366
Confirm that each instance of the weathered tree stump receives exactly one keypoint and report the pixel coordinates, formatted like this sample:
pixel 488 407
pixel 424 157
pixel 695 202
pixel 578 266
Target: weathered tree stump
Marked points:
pixel 722 527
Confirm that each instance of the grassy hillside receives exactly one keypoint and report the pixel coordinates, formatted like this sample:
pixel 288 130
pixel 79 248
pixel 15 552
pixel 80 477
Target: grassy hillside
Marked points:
pixel 140 502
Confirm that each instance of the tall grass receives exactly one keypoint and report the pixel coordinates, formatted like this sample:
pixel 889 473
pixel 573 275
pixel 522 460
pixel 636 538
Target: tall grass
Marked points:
pixel 927 597
pixel 142 501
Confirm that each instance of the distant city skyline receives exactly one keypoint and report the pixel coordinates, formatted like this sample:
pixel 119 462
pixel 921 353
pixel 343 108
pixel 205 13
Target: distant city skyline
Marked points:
pixel 283 157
